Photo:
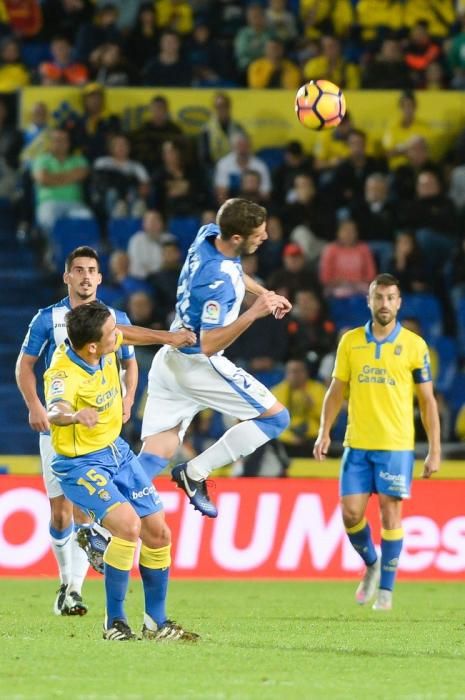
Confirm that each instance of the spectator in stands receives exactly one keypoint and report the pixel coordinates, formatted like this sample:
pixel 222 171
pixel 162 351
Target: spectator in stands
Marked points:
pixel 250 41
pixel 331 147
pixel 295 162
pixel 36 134
pixel 376 19
pixel 110 67
pixel 176 15
pixel 141 42
pixel 420 52
pixel 387 70
pixel 215 137
pixel 62 69
pixel 103 30
pixel 168 68
pixel 140 308
pixel 399 132
pixel 13 73
pixel 457 189
pixel 376 218
pixel 351 173
pixel 24 17
pixel 281 22
pixel 58 177
pixel 326 17
pixel 433 217
pixel 306 219
pixel 91 132
pixel 250 187
pixel 212 64
pixel 332 65
pixel 347 266
pixel 65 16
pixel 456 275
pixel 229 169
pixel 294 275
pixel 10 136
pixel 179 189
pixel 226 19
pixel 121 283
pixel 145 247
pixel 119 185
pixel 456 53
pixel 312 334
pixel 404 178
pixel 126 12
pixel 303 397
pixel 437 15
pixel 270 253
pixel 147 140
pixel 273 70
pixel 408 264
pixel 165 281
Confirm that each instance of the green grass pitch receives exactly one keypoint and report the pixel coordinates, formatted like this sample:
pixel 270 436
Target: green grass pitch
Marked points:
pixel 286 640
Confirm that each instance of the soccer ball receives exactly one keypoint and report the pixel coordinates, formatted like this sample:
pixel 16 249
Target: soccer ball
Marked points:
pixel 320 104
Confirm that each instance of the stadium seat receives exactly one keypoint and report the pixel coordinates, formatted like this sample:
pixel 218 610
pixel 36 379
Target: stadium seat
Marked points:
pixel 185 229
pixel 121 230
pixel 426 309
pixel 68 234
pixel 349 312
pixel 447 351
pixel 272 156
pixel 460 321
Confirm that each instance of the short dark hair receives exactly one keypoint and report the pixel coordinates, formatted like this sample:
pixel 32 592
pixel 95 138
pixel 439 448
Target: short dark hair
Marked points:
pixel 239 217
pixel 84 251
pixel 84 323
pixel 385 279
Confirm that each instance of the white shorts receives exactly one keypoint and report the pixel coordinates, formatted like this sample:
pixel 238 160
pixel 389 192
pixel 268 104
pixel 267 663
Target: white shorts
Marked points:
pixel 47 453
pixel 181 385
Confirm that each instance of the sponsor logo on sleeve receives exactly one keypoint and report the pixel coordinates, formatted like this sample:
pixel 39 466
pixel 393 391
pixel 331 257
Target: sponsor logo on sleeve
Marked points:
pixel 57 387
pixel 211 312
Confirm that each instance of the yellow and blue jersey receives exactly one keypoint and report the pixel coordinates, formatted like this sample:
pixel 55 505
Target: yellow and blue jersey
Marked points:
pixel 381 376
pixel 69 378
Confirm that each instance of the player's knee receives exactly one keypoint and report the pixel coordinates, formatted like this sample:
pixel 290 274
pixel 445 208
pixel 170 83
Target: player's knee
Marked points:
pixel 351 515
pixel 128 528
pixel 61 513
pixel 274 425
pixel 156 534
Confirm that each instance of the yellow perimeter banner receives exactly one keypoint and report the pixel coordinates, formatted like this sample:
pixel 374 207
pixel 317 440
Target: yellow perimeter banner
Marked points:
pixel 268 115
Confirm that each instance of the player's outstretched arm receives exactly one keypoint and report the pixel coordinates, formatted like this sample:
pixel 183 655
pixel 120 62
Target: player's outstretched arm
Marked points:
pixel 430 419
pixel 136 335
pixel 332 404
pixel 27 384
pixel 283 305
pixel 212 341
pixel 61 413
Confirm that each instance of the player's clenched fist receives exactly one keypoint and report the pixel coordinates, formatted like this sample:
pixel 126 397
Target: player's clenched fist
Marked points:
pixel 265 304
pixel 182 338
pixel 87 417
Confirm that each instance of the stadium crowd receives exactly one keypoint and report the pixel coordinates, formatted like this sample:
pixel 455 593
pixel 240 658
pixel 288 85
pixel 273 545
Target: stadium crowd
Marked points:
pixel 337 216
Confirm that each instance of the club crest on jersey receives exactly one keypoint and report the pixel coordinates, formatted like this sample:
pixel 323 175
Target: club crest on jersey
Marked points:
pixel 104 495
pixel 397 349
pixel 211 312
pixel 57 387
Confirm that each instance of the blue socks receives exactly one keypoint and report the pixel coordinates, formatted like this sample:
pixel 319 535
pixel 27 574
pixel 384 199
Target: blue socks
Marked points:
pixel 360 538
pixel 116 586
pixel 155 583
pixel 391 547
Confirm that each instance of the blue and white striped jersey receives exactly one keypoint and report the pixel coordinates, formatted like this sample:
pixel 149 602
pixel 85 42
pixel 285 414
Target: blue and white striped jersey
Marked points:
pixel 47 330
pixel 210 289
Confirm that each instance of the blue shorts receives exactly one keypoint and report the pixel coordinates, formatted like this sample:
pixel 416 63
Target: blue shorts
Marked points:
pixel 377 471
pixel 98 481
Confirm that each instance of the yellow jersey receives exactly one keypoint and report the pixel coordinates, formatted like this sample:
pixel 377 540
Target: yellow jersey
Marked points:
pixel 381 377
pixel 69 378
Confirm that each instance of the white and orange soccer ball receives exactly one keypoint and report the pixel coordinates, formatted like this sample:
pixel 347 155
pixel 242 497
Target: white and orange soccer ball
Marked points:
pixel 320 104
